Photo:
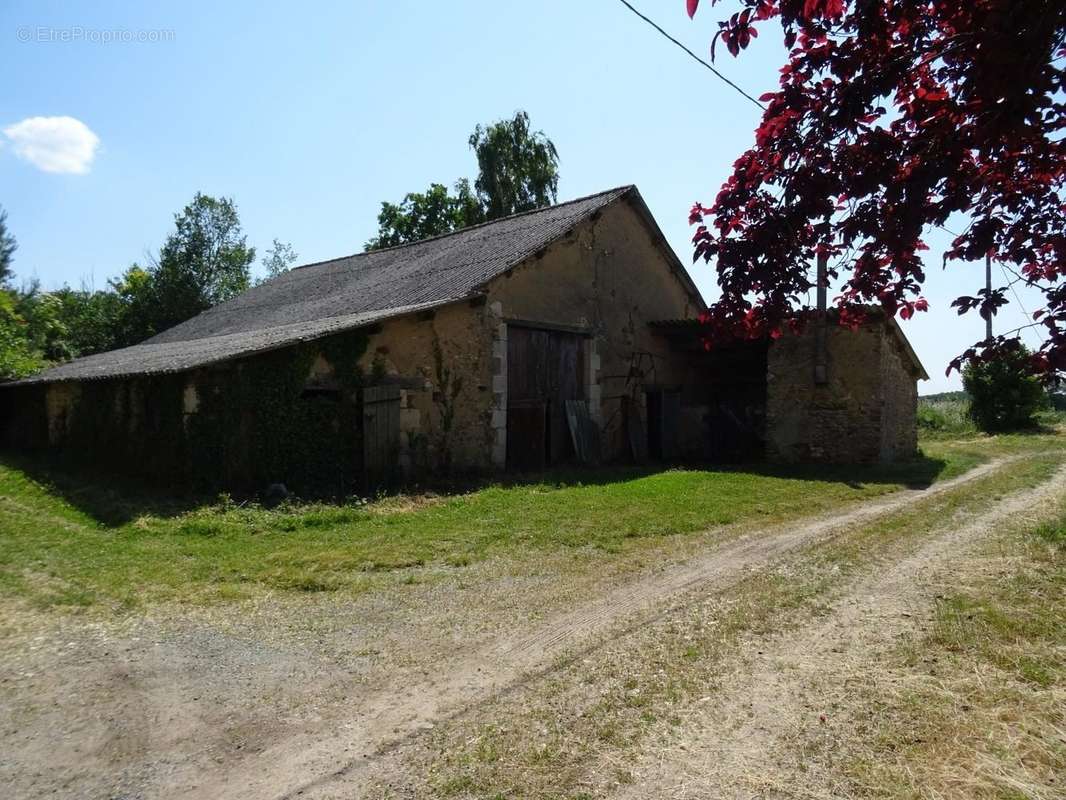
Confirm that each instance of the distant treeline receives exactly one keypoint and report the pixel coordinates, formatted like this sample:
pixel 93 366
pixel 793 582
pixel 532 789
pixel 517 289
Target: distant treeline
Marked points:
pixel 205 260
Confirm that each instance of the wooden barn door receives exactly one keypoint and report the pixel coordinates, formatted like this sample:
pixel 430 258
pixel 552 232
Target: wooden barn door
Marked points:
pixel 545 368
pixel 381 435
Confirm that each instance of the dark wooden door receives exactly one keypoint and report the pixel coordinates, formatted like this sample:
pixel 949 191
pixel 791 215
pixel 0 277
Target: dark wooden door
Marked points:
pixel 664 413
pixel 527 435
pixel 545 368
pixel 381 435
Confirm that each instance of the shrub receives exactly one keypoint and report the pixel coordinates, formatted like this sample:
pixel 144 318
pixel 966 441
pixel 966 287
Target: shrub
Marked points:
pixel 1004 394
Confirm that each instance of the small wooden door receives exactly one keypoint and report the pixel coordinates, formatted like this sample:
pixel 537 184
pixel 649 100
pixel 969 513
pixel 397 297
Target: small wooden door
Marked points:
pixel 381 435
pixel 545 368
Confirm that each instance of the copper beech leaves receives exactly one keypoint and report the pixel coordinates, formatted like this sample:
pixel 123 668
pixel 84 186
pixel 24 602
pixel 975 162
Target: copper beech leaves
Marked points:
pixel 891 119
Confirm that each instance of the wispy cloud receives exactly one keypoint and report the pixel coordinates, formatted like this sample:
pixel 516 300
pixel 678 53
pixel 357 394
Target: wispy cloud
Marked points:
pixel 54 144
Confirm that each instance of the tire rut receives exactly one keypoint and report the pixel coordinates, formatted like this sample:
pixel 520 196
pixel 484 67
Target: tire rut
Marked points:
pixel 314 762
pixel 766 735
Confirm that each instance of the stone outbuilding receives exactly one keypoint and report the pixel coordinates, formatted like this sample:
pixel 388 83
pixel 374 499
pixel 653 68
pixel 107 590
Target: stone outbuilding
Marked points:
pixel 563 334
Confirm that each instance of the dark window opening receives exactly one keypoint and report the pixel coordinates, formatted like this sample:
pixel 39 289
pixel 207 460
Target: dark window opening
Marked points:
pixel 319 393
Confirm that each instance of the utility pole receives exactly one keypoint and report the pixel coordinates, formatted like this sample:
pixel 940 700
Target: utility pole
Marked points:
pixel 988 293
pixel 821 366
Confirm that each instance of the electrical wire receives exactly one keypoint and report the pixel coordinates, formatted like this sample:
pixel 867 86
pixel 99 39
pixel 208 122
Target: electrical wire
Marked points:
pixel 693 55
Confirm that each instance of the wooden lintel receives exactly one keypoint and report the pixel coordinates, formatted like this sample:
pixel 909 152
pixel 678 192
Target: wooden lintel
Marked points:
pixel 580 330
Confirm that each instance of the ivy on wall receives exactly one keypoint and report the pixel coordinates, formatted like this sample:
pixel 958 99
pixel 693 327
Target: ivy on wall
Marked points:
pixel 255 424
pixel 131 425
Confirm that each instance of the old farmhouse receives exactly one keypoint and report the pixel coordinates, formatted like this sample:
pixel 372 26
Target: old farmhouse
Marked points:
pixel 565 333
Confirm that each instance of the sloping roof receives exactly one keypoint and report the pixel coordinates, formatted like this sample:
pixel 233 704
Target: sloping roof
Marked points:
pixel 157 358
pixel 331 296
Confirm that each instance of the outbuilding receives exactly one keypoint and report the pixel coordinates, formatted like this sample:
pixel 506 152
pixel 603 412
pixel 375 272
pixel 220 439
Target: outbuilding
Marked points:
pixel 568 333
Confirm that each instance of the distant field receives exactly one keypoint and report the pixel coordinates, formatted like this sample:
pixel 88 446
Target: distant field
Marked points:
pixel 946 415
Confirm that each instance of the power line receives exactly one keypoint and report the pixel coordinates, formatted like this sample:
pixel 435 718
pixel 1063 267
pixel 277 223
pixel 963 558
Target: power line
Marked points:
pixel 1018 300
pixel 1017 297
pixel 693 55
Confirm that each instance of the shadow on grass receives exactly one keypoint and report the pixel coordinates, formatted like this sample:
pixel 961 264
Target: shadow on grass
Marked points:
pixel 112 500
pixel 918 473
pixel 115 500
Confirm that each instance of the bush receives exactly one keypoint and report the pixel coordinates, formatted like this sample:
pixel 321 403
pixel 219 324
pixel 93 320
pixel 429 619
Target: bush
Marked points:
pixel 1004 394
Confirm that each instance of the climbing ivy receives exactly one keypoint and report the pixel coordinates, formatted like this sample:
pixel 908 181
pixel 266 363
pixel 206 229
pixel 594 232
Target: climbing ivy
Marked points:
pixel 449 388
pixel 129 425
pixel 255 424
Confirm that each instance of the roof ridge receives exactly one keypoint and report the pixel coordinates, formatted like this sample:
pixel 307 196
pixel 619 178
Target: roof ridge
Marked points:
pixel 622 189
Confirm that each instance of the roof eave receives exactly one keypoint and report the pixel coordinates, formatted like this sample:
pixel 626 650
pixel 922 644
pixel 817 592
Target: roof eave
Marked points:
pixel 42 379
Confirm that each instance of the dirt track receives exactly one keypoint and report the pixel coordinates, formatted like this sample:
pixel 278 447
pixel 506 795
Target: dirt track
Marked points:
pixel 752 742
pixel 202 711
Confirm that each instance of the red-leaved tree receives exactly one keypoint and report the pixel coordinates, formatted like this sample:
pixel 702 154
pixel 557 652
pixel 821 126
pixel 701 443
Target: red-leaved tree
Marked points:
pixel 891 116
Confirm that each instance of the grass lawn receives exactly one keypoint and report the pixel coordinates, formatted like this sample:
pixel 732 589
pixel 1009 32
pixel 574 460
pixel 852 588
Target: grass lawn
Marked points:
pixel 66 541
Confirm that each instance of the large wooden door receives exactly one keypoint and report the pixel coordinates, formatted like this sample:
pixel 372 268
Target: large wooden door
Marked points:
pixel 545 368
pixel 381 435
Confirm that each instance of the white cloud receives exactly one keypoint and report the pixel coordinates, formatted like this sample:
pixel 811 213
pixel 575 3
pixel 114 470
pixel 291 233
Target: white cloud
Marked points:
pixel 54 144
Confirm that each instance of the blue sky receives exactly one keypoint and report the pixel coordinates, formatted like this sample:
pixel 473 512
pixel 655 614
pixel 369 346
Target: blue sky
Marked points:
pixel 310 115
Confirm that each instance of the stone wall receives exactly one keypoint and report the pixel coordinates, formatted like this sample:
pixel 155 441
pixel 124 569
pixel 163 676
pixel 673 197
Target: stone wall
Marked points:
pixel 864 413
pixel 899 411
pixel 608 277
pixel 444 362
pixel 23 418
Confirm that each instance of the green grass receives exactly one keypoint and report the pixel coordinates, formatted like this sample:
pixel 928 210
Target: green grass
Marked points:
pixel 973 707
pixel 65 541
pixel 542 748
pixel 947 416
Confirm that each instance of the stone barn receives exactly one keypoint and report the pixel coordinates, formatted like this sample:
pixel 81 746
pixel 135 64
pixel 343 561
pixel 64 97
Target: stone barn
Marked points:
pixel 557 335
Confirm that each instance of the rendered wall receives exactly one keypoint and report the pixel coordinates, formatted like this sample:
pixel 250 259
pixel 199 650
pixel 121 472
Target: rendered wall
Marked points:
pixel 443 361
pixel 607 277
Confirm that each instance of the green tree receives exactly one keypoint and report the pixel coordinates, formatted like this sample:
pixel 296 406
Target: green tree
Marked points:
pixel 518 171
pixel 421 215
pixel 1004 393
pixel 67 323
pixel 205 261
pixel 17 357
pixel 279 258
pixel 91 320
pixel 8 245
pixel 135 292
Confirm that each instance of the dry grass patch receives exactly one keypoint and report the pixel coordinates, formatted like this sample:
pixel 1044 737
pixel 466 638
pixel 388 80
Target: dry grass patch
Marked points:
pixel 975 707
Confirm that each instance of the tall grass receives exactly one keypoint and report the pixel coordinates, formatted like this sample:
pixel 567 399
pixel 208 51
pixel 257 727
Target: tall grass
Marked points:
pixel 945 416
